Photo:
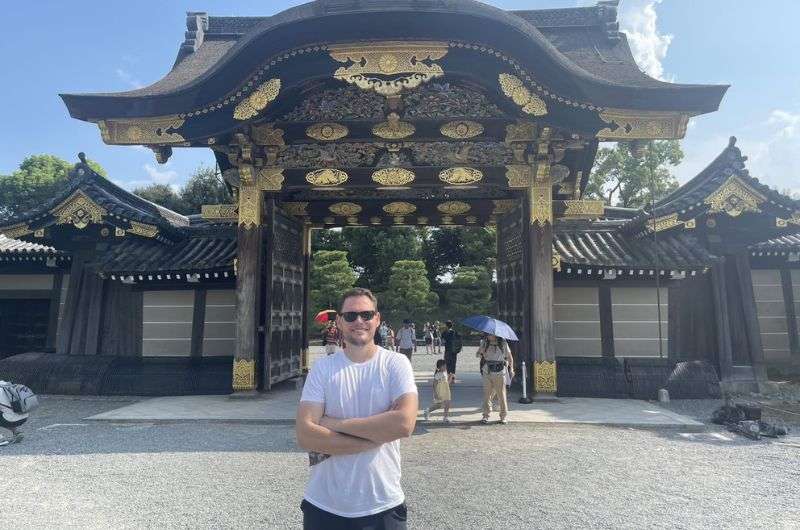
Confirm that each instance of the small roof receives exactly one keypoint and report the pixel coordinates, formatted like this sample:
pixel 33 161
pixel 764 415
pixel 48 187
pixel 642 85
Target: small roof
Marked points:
pixel 787 243
pixel 17 249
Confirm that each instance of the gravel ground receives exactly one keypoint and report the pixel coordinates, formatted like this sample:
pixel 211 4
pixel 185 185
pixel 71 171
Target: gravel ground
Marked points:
pixel 69 473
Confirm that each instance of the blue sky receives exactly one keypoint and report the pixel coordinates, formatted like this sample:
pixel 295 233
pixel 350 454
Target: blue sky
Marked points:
pixel 49 47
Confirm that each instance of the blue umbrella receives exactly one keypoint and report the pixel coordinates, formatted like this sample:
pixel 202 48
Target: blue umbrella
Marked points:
pixel 490 325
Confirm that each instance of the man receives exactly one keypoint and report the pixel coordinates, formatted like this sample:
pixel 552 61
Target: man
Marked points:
pixel 406 339
pixel 452 347
pixel 355 407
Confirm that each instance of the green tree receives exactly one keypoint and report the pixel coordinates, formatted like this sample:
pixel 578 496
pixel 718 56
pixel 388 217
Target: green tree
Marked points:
pixel 165 196
pixel 330 276
pixel 470 293
pixel 37 180
pixel 622 177
pixel 372 252
pixel 329 239
pixel 447 249
pixel 408 294
pixel 205 186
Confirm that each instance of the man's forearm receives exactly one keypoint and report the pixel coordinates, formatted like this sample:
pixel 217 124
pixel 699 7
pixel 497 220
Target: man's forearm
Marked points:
pixel 324 440
pixel 381 428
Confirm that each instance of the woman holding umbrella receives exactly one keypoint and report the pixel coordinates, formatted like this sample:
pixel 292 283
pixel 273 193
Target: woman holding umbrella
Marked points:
pixel 496 353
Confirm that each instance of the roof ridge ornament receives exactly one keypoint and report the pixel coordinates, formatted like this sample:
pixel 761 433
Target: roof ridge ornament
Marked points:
pixel 734 198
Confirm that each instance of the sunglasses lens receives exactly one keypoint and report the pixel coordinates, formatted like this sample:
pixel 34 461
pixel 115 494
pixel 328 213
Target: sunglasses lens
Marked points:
pixel 351 316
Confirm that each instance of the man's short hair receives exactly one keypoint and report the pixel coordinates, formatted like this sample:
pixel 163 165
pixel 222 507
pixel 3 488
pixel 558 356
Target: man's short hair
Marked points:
pixel 449 323
pixel 358 291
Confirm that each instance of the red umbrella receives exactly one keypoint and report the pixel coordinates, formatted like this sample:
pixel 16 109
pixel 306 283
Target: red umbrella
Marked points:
pixel 325 315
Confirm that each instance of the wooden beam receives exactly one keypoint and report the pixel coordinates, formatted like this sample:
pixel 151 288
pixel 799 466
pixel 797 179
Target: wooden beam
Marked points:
pixel 198 323
pixel 29 294
pixel 722 320
pixel 606 320
pixel 791 314
pixel 52 317
pixel 750 311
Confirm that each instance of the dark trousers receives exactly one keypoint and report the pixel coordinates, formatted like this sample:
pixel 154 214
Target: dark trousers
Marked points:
pixel 317 519
pixel 450 360
pixel 407 352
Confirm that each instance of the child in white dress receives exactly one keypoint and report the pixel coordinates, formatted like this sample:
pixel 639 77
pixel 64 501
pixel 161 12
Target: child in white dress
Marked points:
pixel 441 392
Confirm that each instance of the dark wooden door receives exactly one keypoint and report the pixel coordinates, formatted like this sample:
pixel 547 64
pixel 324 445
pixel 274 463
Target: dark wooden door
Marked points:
pixel 23 326
pixel 512 289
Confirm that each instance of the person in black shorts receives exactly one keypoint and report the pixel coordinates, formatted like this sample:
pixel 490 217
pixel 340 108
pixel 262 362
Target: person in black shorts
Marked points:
pixel 452 347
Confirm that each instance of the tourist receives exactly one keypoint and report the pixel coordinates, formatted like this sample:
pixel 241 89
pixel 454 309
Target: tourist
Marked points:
pixel 437 338
pixel 383 331
pixel 330 338
pixel 355 407
pixel 452 347
pixel 414 330
pixel 406 339
pixel 427 331
pixel 441 392
pixel 390 340
pixel 497 359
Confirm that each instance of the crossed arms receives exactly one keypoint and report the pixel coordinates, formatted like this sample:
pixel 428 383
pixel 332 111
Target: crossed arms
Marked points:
pixel 334 436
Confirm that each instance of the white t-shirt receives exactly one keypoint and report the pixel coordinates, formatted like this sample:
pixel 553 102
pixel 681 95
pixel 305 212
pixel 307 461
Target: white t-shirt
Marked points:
pixel 369 482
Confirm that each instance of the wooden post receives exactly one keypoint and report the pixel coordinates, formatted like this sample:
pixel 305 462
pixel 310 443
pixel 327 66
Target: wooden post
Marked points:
pixel 606 321
pixel 248 288
pixel 198 323
pixel 752 327
pixel 306 272
pixel 55 301
pixel 267 356
pixel 791 314
pixel 722 320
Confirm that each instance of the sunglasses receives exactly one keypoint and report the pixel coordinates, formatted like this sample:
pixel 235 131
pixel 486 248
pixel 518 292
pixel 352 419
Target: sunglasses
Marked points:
pixel 351 316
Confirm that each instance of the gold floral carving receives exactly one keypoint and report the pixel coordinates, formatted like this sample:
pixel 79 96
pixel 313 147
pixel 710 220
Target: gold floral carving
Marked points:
pixel 393 176
pixel 296 209
pixel 119 232
pixel 514 89
pixel 270 178
pixel 584 208
pixel 460 176
pixel 447 220
pixel 541 205
pixel 461 129
pixel 218 212
pixel 246 176
pixel 79 210
pixel 393 128
pixel 734 198
pixel 793 220
pixel 422 220
pixel 642 125
pixel 267 134
pixel 244 374
pixel 40 232
pixel 345 208
pixel 519 175
pixel 142 131
pixel 522 131
pixel 326 177
pixel 249 206
pixel 375 220
pixel 471 219
pixel 388 68
pixel 16 230
pixel 399 208
pixel 544 376
pixel 665 222
pixel 327 132
pixel 258 100
pixel 503 206
pixel 555 261
pixel 453 208
pixel 142 229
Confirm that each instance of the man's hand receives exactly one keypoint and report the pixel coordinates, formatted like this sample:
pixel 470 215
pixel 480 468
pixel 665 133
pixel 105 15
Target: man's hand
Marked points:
pixel 397 422
pixel 314 437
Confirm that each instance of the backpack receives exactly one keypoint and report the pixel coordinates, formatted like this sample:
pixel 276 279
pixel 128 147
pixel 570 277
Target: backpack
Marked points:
pixel 21 398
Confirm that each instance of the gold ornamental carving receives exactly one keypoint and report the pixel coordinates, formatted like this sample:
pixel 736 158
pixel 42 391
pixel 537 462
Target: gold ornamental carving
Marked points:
pixel 244 374
pixel 326 177
pixel 393 128
pixel 399 208
pixel 519 175
pixel 388 68
pixel 461 130
pixel 327 132
pixel 734 198
pixel 584 208
pixel 541 205
pixel 79 210
pixel 296 209
pixel 16 230
pixel 142 131
pixel 503 206
pixel 453 208
pixel 555 261
pixel 514 89
pixel 793 220
pixel 218 212
pixel 393 176
pixel 665 222
pixel 249 206
pixel 270 178
pixel 544 376
pixel 142 229
pixel 258 100
pixel 267 134
pixel 460 176
pixel 642 125
pixel 345 208
pixel 522 132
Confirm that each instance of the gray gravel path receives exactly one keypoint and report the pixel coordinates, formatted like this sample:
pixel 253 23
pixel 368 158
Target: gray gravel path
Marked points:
pixel 204 475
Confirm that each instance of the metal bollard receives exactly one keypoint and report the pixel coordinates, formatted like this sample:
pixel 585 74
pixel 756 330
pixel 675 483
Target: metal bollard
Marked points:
pixel 525 398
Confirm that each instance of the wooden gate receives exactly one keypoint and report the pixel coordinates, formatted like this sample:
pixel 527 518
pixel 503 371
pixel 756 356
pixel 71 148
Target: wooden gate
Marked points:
pixel 283 298
pixel 512 288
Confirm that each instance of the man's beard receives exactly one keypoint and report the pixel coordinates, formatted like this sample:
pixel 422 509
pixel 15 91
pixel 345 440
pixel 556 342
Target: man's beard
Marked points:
pixel 357 340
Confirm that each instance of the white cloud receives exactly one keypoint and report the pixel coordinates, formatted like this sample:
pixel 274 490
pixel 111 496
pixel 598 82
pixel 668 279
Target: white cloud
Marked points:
pixel 128 78
pixel 638 20
pixel 167 176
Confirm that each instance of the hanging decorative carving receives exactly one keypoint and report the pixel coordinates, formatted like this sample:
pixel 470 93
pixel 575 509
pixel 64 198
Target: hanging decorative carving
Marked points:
pixel 267 134
pixel 514 89
pixel 460 153
pixel 460 176
pixel 218 212
pixel 142 131
pixel 327 132
pixel 270 178
pixel 399 208
pixel 734 197
pixel 346 103
pixel 393 128
pixel 544 376
pixel 326 177
pixel 642 125
pixel 453 207
pixel 519 175
pixel 438 101
pixel 249 206
pixel 400 65
pixel 393 176
pixel 244 374
pixel 503 206
pixel 142 229
pixel 461 129
pixel 584 208
pixel 541 196
pixel 345 208
pixel 16 230
pixel 350 154
pixel 258 100
pixel 78 210
pixel 297 209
